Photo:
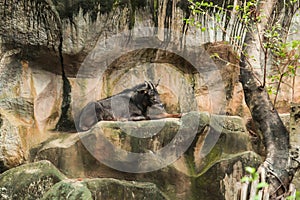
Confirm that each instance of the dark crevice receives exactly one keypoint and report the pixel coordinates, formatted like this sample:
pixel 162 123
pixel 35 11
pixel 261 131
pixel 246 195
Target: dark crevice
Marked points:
pixel 154 11
pixel 64 123
pixel 3 168
pixel 132 14
pixel 69 8
pixel 297 116
pixel 168 19
pixel 1 121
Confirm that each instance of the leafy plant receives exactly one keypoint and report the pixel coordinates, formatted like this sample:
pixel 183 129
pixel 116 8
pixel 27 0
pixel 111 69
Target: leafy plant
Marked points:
pixel 285 64
pixel 285 55
pixel 266 38
pixel 253 177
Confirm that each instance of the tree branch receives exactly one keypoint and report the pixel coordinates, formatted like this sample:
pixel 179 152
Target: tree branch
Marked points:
pixel 273 132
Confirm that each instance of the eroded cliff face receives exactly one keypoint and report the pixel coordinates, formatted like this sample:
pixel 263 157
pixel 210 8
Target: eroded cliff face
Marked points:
pixel 49 69
pixel 56 56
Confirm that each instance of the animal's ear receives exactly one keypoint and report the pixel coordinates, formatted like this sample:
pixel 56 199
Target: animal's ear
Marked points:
pixel 157 83
pixel 144 88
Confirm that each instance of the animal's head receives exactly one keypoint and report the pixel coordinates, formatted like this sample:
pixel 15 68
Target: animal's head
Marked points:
pixel 147 93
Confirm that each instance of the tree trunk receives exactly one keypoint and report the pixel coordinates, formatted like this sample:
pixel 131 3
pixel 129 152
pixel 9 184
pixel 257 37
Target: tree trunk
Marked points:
pixel 274 134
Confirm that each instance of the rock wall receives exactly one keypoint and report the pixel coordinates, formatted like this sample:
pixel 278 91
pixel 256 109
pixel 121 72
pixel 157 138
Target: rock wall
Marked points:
pixel 48 57
pixel 41 180
pixel 195 173
pixel 56 56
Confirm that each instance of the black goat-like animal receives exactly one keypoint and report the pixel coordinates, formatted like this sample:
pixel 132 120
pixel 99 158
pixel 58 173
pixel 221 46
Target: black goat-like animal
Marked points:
pixel 138 103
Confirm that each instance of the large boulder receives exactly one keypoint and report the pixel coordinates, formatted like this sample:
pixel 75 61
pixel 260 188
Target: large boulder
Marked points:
pixel 30 105
pixel 223 179
pixel 11 147
pixel 70 189
pixel 41 180
pixel 88 189
pixel 215 140
pixel 29 181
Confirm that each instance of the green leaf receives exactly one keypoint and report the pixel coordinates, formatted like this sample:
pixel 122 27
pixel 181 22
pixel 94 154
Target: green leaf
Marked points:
pixel 250 170
pixel 255 176
pixel 246 179
pixel 256 197
pixel 262 185
pixel 203 29
pixel 215 55
pixel 218 17
pixel 290 198
pixel 205 4
pixel 269 89
pixel 295 43
pixel 293 1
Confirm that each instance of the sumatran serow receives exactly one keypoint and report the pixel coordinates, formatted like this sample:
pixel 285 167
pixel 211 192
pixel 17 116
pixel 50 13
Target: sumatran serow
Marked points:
pixel 141 102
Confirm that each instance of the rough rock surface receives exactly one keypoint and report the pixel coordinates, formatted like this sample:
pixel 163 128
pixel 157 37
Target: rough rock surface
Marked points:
pixel 11 147
pixel 29 181
pixel 83 155
pixel 226 176
pixel 88 189
pixel 55 56
pixel 41 180
pixel 294 120
pixel 45 47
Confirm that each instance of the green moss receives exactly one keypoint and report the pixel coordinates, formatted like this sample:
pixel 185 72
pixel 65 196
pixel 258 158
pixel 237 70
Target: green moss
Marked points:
pixel 210 159
pixel 191 164
pixel 208 183
pixel 116 189
pixel 136 145
pixel 69 190
pixel 122 135
pixel 30 181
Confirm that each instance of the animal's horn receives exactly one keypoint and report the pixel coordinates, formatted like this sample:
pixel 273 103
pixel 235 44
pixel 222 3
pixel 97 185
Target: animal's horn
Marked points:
pixel 149 84
pixel 146 83
pixel 157 83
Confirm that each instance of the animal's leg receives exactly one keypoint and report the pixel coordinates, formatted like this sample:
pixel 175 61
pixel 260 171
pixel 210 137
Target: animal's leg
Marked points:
pixel 166 115
pixel 137 118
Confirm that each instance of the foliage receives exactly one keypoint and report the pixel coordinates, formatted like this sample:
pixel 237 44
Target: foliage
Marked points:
pixel 297 197
pixel 284 55
pixel 286 60
pixel 267 44
pixel 254 176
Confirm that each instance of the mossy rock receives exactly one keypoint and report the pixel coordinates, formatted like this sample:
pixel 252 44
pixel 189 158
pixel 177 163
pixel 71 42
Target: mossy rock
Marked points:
pixel 220 181
pixel 29 181
pixel 68 189
pixel 113 189
pixel 105 188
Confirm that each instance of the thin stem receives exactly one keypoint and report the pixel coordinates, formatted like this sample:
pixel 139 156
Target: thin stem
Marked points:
pixel 277 90
pixel 265 67
pixel 293 89
pixel 265 50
